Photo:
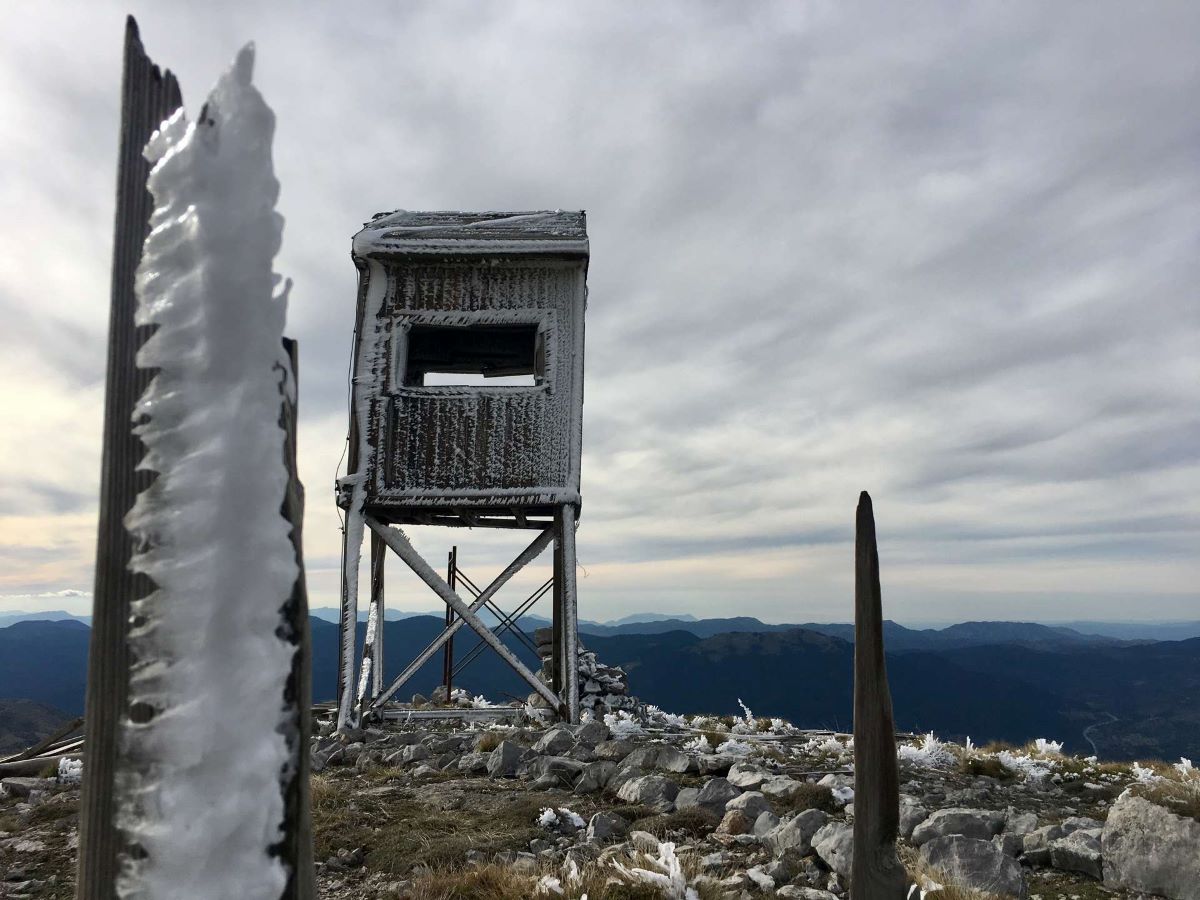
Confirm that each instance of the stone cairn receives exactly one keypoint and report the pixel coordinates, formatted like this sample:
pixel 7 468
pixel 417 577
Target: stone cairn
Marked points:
pixel 602 689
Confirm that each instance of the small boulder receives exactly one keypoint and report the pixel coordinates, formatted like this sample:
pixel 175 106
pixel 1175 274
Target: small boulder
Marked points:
pixel 654 791
pixel 796 833
pixel 765 822
pixel 713 764
pixel 1148 848
pixel 752 803
pixel 555 742
pixel 912 814
pixel 796 892
pixel 980 824
pixel 715 794
pixel 503 761
pixel 591 733
pixel 604 827
pixel 614 750
pixel 671 760
pixel 782 788
pixel 747 776
pixel 834 843
pixel 1079 851
pixel 595 776
pixel 735 822
pixel 975 863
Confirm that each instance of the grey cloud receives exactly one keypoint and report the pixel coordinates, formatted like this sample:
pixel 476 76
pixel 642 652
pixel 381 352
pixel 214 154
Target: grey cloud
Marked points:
pixel 925 251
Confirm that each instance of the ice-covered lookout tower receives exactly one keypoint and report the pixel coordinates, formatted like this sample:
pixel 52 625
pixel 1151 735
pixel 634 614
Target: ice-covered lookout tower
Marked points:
pixel 448 301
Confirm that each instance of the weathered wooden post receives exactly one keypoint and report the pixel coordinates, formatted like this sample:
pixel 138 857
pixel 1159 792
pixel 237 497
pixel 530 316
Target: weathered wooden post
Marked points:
pixel 148 96
pixel 876 873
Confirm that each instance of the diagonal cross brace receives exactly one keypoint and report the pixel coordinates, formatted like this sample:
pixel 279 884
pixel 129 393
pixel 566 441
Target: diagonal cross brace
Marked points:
pixel 398 542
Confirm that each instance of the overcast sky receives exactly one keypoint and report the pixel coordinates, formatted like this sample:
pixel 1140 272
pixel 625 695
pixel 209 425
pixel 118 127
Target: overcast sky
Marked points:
pixel 944 252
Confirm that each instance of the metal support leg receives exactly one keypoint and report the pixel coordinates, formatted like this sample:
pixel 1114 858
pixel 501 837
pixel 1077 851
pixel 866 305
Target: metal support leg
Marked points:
pixel 351 546
pixel 370 679
pixel 399 543
pixel 556 616
pixel 448 649
pixel 569 614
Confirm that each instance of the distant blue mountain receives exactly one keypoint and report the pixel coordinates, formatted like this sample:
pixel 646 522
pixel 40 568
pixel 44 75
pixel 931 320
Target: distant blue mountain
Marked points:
pixel 990 680
pixel 51 615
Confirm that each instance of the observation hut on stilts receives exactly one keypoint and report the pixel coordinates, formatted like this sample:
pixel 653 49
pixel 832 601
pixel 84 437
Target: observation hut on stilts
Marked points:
pixel 497 295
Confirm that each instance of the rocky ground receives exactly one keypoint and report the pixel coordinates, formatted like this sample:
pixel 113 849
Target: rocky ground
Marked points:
pixel 678 808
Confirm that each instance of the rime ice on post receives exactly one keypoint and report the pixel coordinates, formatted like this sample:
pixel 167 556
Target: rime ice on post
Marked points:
pixel 205 742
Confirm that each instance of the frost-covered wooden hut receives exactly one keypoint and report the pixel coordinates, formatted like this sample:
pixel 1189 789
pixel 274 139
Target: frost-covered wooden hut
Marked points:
pixel 467 404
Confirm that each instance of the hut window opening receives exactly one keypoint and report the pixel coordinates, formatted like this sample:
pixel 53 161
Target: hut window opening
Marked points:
pixel 475 355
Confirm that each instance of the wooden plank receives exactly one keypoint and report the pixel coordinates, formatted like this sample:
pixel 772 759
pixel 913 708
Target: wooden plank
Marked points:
pixel 399 543
pixel 526 556
pixel 45 742
pixel 148 96
pixel 876 872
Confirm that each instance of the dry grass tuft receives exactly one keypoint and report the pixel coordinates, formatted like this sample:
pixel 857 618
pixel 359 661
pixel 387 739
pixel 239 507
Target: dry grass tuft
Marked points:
pixel 810 796
pixel 919 872
pixel 693 822
pixel 489 741
pixel 971 764
pixel 997 746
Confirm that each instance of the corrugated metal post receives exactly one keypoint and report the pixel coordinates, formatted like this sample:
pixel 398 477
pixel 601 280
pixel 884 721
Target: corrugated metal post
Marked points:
pixel 148 96
pixel 297 846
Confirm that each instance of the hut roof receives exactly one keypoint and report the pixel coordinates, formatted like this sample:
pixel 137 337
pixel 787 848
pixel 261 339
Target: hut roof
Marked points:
pixel 558 232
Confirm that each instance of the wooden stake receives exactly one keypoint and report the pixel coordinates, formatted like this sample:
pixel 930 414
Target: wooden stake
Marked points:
pixel 148 96
pixel 876 873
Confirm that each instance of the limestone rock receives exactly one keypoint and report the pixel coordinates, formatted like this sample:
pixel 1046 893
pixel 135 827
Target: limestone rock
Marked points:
pixel 603 827
pixel 834 843
pixel 765 822
pixel 1079 851
pixel 595 777
pixel 591 733
pixel 752 803
pixel 654 791
pixel 671 760
pixel 781 788
pixel 975 863
pixel 796 833
pixel 503 761
pixel 713 764
pixel 747 776
pixel 980 824
pixel 796 892
pixel 555 742
pixel 736 822
pixel 715 794
pixel 1148 848
pixel 614 750
pixel 912 814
